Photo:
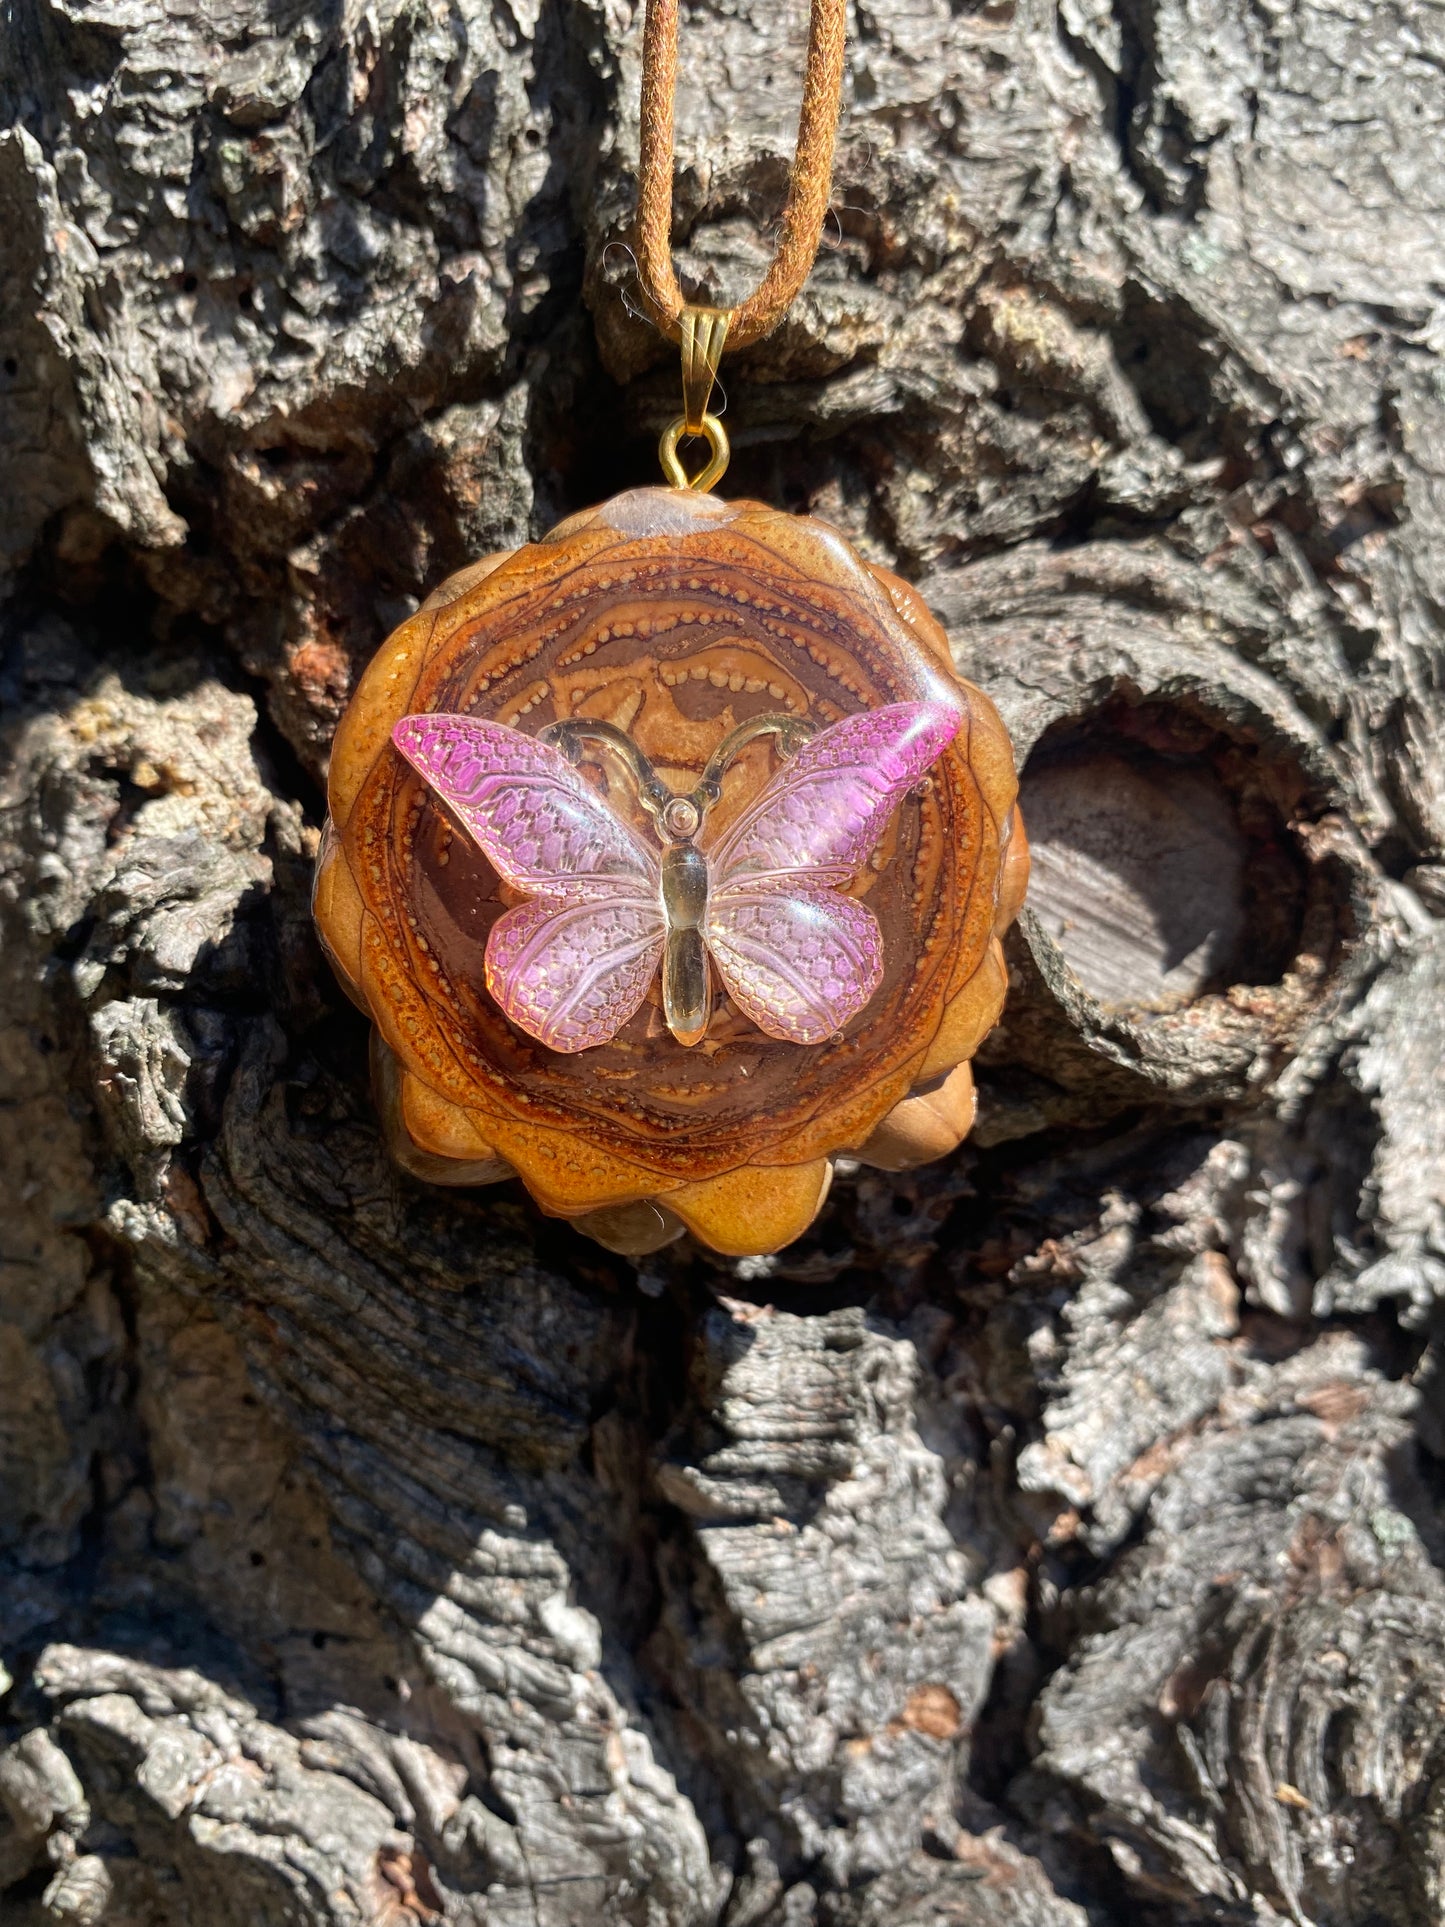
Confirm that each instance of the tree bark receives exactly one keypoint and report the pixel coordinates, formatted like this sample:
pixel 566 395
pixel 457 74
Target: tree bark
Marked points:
pixel 1053 1537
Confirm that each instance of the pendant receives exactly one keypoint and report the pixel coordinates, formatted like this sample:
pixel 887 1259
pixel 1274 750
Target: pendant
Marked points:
pixel 669 857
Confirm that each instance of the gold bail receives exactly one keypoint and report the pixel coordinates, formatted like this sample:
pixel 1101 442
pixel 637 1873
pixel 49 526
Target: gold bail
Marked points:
pixel 703 331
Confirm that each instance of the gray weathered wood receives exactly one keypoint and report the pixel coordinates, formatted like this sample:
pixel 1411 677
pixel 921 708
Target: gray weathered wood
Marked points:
pixel 1055 1536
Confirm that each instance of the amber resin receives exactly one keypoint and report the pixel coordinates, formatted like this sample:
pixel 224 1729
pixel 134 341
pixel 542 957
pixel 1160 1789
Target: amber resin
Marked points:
pixel 675 617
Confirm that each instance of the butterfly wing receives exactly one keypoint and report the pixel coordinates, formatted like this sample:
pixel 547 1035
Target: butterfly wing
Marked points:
pixel 571 966
pixel 571 973
pixel 800 964
pixel 797 957
pixel 535 818
pixel 822 815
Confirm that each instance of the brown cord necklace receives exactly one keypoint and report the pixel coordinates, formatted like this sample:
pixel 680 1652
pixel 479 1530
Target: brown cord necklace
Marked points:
pixel 705 332
pixel 668 853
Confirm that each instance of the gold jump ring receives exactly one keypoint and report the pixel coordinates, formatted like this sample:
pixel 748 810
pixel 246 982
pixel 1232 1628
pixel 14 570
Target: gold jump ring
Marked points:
pixel 712 471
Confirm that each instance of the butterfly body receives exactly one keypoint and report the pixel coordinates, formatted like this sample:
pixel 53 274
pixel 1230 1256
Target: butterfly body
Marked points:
pixel 686 979
pixel 607 906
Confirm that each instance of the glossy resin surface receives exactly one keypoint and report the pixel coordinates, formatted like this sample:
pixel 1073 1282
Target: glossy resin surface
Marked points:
pixel 607 903
pixel 674 618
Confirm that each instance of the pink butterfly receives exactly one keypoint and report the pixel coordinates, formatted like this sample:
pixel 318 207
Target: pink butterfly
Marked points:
pixel 606 907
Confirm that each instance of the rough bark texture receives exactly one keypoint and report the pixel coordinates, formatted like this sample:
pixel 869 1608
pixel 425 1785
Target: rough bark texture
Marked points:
pixel 1055 1536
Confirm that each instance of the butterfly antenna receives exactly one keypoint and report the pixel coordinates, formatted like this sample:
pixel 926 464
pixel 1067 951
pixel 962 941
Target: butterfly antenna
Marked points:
pixel 791 731
pixel 573 737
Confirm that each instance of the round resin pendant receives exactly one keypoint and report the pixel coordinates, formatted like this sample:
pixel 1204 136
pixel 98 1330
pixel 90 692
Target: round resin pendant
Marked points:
pixel 669 857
